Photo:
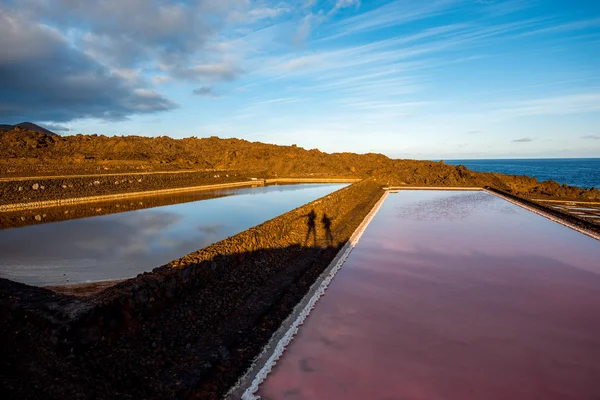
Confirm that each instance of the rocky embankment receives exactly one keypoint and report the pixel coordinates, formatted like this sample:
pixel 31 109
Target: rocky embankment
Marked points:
pixel 43 189
pixel 29 153
pixel 187 330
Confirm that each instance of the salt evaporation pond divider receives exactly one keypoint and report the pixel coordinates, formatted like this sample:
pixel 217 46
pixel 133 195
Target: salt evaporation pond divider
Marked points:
pixel 122 245
pixel 454 296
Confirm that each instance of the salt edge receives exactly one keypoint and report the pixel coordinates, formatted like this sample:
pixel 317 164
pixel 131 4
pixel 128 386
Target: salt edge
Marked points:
pixel 261 375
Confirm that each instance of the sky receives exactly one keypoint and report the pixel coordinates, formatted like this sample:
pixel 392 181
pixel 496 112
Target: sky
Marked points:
pixel 423 79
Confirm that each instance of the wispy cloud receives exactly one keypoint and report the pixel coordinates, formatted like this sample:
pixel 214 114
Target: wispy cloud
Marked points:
pixel 556 105
pixel 389 51
pixel 553 27
pixel 395 13
pixel 592 137
pixel 341 4
pixel 266 12
pixel 501 8
pixel 523 140
pixel 277 100
pixel 209 72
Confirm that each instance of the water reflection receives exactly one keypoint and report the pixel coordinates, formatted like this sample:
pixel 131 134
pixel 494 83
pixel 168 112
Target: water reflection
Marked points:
pixel 491 302
pixel 453 206
pixel 123 245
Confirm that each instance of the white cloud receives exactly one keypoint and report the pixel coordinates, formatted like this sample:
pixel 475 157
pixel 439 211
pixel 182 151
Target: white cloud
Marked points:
pixel 565 27
pixel 221 71
pixel 556 105
pixel 304 29
pixel 266 12
pixel 394 13
pixel 341 4
pixel 160 79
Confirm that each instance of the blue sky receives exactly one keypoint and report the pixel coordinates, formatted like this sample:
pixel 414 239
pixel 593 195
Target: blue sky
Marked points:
pixel 409 78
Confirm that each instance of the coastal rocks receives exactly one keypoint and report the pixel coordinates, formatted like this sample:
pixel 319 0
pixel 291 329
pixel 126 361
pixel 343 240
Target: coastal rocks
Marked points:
pixel 35 186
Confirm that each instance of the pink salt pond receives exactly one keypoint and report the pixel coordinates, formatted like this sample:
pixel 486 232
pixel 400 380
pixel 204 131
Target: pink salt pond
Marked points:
pixel 453 295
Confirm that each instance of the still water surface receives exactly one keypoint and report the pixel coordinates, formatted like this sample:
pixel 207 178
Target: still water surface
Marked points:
pixel 122 245
pixel 453 296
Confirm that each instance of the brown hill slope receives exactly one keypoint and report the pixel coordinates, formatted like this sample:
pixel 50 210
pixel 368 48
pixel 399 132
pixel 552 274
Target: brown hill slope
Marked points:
pixel 25 151
pixel 27 126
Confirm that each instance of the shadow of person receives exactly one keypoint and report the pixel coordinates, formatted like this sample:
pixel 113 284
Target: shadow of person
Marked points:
pixel 311 224
pixel 326 221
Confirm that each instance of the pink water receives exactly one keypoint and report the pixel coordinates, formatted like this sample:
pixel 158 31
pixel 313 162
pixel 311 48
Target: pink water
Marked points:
pixel 453 295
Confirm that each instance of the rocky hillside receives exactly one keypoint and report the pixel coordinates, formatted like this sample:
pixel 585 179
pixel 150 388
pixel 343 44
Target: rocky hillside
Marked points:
pixel 26 152
pixel 27 126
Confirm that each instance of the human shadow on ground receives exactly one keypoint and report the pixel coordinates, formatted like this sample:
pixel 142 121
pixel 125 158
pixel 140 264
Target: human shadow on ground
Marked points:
pixel 311 225
pixel 326 221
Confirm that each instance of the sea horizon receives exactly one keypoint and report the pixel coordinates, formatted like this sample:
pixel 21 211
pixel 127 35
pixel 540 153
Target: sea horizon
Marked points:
pixel 515 158
pixel 580 172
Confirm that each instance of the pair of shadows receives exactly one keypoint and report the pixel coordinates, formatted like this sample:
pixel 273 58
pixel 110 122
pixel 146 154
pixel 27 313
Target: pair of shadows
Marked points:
pixel 311 223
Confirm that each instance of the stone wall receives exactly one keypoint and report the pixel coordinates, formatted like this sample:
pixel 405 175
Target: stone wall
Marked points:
pixel 43 189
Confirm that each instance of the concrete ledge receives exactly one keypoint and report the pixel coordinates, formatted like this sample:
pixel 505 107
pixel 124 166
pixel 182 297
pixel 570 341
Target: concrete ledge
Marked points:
pixel 567 220
pixel 567 201
pixel 394 188
pixel 311 180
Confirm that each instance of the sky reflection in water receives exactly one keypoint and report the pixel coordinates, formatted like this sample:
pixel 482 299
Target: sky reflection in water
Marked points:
pixel 452 295
pixel 125 244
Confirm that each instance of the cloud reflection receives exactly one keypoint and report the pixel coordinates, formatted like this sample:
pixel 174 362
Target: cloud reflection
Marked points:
pixel 122 245
pixel 450 207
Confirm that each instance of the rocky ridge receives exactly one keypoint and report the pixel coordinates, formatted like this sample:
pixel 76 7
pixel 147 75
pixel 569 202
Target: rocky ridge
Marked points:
pixel 30 153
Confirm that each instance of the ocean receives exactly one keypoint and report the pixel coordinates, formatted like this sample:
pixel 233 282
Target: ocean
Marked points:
pixel 582 172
